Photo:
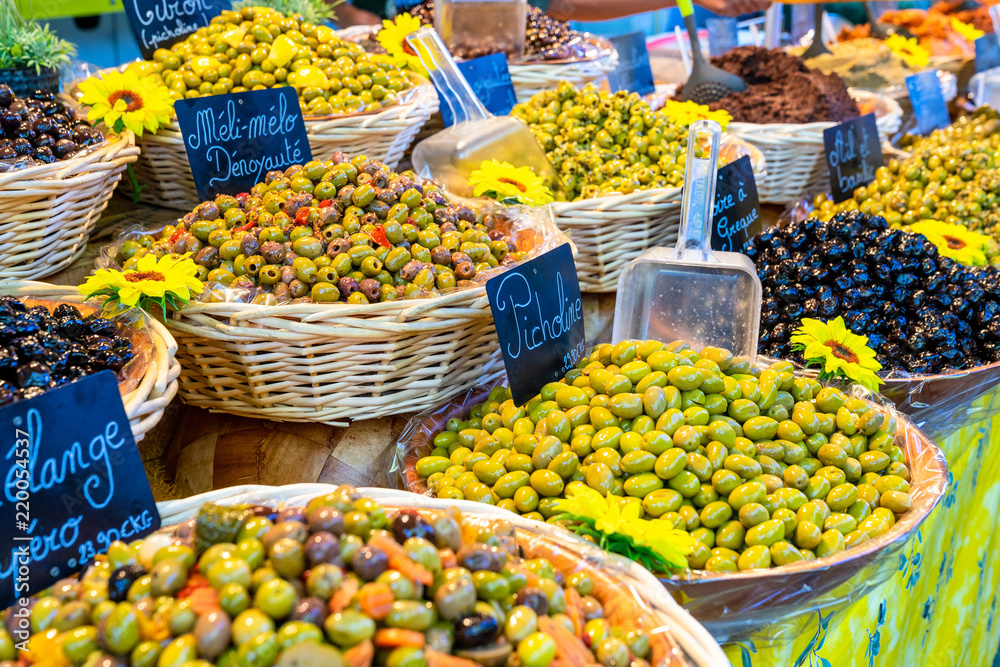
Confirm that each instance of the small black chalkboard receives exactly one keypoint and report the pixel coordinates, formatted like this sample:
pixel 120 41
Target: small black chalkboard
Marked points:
pixel 538 314
pixel 633 72
pixel 722 35
pixel 233 140
pixel 490 81
pixel 853 153
pixel 987 52
pixel 927 101
pixel 736 213
pixel 157 24
pixel 73 483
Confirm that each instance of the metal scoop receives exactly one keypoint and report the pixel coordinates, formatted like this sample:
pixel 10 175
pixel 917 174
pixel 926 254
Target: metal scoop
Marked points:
pixel 690 293
pixel 817 48
pixel 707 82
pixel 450 156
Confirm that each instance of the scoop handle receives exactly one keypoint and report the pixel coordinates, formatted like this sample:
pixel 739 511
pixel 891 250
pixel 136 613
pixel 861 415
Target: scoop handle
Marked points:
pixel 687 12
pixel 699 192
pixel 450 82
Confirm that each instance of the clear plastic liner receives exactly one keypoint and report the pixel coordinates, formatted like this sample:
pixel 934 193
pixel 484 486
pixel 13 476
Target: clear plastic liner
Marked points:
pixel 629 595
pixel 532 229
pixel 772 605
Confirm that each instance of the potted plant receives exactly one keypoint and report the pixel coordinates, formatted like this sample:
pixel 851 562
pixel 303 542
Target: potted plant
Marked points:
pixel 30 53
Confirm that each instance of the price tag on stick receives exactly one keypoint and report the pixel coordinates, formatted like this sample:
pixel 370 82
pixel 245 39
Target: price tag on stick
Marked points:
pixel 722 35
pixel 928 102
pixel 490 81
pixel 736 213
pixel 73 483
pixel 233 140
pixel 158 24
pixel 853 153
pixel 987 52
pixel 633 72
pixel 538 314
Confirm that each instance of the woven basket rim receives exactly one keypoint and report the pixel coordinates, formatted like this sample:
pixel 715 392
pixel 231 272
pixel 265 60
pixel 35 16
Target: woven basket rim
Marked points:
pixel 101 152
pixel 158 384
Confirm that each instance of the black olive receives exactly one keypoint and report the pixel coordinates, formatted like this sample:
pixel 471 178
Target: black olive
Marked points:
pixel 476 630
pixel 410 524
pixel 122 579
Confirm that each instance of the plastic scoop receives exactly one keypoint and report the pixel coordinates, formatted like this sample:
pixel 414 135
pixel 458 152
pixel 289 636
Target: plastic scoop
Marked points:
pixel 817 48
pixel 450 156
pixel 707 83
pixel 691 293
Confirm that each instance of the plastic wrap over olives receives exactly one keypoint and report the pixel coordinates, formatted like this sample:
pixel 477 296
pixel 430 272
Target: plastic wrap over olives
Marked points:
pixel 341 230
pixel 339 582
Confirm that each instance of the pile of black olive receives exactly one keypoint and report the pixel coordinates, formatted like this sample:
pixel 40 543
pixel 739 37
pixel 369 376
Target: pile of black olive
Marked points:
pixel 40 128
pixel 41 349
pixel 923 313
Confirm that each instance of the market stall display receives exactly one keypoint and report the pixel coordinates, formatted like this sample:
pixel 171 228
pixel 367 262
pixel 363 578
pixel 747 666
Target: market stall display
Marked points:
pixel 784 111
pixel 57 174
pixel 351 101
pixel 50 336
pixel 943 36
pixel 270 344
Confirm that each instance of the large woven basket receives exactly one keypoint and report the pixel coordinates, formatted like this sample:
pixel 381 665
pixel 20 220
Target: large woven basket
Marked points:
pixel 611 231
pixel 382 135
pixel 49 211
pixel 734 605
pixel 796 162
pixel 630 596
pixel 155 384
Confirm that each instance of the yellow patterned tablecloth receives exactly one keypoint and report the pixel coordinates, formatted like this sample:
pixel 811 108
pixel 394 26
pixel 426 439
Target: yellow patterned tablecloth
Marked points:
pixel 940 608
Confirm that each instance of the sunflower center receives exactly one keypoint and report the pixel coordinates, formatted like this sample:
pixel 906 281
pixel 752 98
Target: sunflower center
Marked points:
pixel 510 181
pixel 407 49
pixel 132 99
pixel 841 351
pixel 139 276
pixel 954 242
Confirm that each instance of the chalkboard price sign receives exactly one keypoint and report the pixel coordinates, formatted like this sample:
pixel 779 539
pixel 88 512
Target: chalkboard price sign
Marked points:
pixel 157 24
pixel 538 314
pixel 633 72
pixel 490 81
pixel 233 140
pixel 736 213
pixel 927 101
pixel 853 154
pixel 73 483
pixel 987 52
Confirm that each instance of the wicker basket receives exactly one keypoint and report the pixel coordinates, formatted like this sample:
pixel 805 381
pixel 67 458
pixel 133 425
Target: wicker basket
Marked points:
pixel 629 594
pixel 381 135
pixel 611 231
pixel 532 78
pixel 50 210
pixel 25 81
pixel 144 399
pixel 796 162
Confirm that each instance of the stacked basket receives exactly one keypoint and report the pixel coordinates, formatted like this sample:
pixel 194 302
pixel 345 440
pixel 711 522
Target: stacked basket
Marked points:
pixel 144 399
pixel 50 210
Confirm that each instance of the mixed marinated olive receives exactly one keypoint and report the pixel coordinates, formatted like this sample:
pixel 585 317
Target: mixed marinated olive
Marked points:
pixel 952 176
pixel 761 467
pixel 40 128
pixel 603 143
pixel 340 230
pixel 340 582
pixel 41 349
pixel 257 47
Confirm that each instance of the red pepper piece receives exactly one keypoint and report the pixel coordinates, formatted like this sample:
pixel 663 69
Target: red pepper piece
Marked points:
pixel 378 235
pixel 302 216
pixel 325 203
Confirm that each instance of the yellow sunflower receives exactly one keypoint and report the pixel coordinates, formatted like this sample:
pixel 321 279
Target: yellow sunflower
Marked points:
pixel 167 281
pixel 840 352
pixel 509 184
pixel 969 32
pixel 909 50
pixel 685 113
pixel 392 37
pixel 957 242
pixel 124 100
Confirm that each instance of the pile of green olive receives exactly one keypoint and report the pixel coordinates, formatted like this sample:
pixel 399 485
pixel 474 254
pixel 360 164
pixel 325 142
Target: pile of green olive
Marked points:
pixel 340 230
pixel 337 583
pixel 603 143
pixel 257 47
pixel 761 467
pixel 952 176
